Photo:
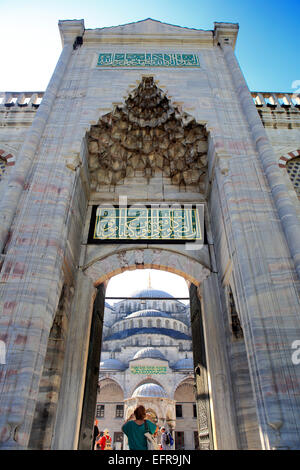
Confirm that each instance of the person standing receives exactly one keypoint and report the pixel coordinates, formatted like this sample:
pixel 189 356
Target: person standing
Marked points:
pixel 165 439
pixel 95 433
pixel 135 428
pixel 105 441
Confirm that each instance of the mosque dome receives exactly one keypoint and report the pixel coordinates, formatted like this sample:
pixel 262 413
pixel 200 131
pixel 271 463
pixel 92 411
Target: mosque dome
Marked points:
pixel 149 390
pixel 152 293
pixel 183 364
pixel 148 313
pixel 112 364
pixel 149 353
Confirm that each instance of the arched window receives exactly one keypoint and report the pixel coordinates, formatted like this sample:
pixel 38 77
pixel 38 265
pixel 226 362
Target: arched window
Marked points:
pixel 293 170
pixel 158 323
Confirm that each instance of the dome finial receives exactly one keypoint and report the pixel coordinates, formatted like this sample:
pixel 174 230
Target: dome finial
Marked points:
pixel 149 282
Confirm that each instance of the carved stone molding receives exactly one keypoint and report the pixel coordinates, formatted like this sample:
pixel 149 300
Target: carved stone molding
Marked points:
pixel 144 136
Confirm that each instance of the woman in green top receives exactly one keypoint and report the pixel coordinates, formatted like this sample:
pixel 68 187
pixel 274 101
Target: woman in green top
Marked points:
pixel 135 429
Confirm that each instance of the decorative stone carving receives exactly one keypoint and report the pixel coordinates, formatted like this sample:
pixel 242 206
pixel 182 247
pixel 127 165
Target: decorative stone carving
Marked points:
pixel 147 134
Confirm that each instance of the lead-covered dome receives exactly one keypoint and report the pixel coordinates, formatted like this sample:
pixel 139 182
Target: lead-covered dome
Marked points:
pixel 112 364
pixel 152 293
pixel 149 390
pixel 149 353
pixel 183 364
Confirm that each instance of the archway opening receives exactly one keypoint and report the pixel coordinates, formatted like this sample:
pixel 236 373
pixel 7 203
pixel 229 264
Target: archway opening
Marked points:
pixel 147 357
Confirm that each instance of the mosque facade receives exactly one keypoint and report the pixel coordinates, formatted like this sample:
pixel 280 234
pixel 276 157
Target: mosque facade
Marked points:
pixel 147 359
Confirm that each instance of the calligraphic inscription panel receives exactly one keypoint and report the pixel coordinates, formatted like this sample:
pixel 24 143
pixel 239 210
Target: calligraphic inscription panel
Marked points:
pixel 111 59
pixel 148 370
pixel 178 224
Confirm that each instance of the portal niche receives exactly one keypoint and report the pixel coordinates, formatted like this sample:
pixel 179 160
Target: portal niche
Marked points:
pixel 147 136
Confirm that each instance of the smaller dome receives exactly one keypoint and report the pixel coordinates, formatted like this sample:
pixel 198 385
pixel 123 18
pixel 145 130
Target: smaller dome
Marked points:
pixel 149 352
pixel 149 390
pixel 148 313
pixel 182 364
pixel 112 364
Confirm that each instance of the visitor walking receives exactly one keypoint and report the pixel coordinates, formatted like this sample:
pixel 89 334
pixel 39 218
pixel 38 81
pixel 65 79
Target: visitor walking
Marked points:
pixel 135 428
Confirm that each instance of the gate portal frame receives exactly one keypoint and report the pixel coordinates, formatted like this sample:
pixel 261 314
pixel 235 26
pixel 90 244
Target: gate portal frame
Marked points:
pixel 218 374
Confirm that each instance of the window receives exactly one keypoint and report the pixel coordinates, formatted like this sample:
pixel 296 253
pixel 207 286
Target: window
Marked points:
pixel 2 168
pixel 100 411
pixel 293 169
pixel 178 411
pixel 119 411
pixel 195 413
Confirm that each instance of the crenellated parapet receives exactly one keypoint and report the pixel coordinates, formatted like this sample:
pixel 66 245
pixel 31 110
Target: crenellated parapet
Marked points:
pixel 20 99
pixel 278 110
pixel 275 100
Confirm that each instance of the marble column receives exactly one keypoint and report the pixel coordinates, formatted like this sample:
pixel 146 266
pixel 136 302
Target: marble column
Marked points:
pixel 220 390
pixel 70 402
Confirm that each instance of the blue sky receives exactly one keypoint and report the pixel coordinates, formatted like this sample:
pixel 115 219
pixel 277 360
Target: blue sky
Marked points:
pixel 267 47
pixel 130 281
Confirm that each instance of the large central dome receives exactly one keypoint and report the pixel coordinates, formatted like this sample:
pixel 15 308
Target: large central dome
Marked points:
pixel 151 293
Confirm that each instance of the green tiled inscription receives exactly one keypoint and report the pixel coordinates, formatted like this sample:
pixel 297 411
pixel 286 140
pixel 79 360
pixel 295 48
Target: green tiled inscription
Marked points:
pixel 127 59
